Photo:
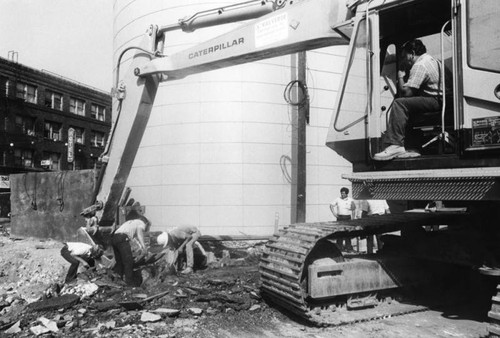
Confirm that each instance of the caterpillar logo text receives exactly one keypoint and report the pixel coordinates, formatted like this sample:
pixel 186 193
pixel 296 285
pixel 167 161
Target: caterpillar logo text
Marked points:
pixel 216 48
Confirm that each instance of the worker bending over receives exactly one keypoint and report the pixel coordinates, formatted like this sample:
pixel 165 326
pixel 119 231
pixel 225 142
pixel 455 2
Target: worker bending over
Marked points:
pixel 176 237
pixel 76 253
pixel 134 228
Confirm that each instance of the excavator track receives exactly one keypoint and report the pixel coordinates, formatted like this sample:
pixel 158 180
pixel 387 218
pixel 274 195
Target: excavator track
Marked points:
pixel 287 256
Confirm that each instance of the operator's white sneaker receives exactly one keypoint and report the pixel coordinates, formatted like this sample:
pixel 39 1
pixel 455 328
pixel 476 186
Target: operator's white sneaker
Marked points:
pixel 409 154
pixel 389 153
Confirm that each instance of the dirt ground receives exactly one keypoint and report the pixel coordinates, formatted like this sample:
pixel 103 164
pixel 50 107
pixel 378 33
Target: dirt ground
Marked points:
pixel 221 301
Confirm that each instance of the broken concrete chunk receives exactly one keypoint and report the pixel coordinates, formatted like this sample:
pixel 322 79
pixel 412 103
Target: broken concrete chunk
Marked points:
pixel 10 299
pixel 14 328
pixel 254 295
pixel 168 312
pixel 195 311
pixel 39 329
pixel 32 300
pixel 180 293
pixel 150 317
pixel 211 311
pixel 108 325
pixel 82 311
pixel 49 324
pixel 83 289
pixel 254 307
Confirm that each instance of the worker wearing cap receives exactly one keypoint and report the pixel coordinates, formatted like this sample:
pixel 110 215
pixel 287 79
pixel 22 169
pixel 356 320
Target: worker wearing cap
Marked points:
pixel 76 253
pixel 178 235
pixel 134 228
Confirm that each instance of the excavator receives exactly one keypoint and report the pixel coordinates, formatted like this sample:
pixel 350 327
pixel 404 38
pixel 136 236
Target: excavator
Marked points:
pixel 302 269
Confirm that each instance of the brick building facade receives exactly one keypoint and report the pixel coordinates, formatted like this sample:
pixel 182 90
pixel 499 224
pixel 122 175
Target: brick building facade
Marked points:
pixel 38 110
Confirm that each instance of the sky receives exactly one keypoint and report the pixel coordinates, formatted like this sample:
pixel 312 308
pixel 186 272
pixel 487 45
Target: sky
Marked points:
pixel 72 38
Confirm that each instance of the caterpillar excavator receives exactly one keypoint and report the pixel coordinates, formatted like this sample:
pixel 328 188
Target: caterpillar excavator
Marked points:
pixel 302 269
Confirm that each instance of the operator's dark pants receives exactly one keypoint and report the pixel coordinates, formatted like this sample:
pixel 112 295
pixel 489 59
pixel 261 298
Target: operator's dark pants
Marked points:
pixel 125 260
pixel 73 269
pixel 404 109
pixel 344 244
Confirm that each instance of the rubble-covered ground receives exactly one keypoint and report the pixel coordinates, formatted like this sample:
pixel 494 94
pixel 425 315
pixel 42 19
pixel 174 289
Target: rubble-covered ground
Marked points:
pixel 220 301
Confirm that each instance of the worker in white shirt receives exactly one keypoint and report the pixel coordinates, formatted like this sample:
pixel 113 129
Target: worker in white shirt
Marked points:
pixel 377 207
pixel 134 228
pixel 374 208
pixel 76 253
pixel 344 209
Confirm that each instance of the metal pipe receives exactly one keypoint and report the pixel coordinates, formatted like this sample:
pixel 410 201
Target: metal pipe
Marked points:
pixel 222 15
pixel 369 86
pixel 443 83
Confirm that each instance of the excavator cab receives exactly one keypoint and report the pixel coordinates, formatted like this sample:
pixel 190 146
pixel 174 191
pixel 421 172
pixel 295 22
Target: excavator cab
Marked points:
pixel 462 36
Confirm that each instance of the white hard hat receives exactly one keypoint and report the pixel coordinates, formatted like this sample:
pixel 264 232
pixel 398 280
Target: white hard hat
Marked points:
pixel 162 239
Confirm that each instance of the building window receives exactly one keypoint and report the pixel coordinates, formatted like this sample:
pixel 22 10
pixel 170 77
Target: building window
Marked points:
pixel 25 125
pixel 52 130
pixel 77 106
pixel 51 160
pixel 76 165
pixel 97 139
pixel 97 112
pixel 23 158
pixel 482 35
pixel 7 86
pixel 79 135
pixel 53 100
pixel 26 92
pixel 93 162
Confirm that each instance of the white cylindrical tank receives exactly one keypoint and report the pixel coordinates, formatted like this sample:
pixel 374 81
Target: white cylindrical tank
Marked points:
pixel 218 149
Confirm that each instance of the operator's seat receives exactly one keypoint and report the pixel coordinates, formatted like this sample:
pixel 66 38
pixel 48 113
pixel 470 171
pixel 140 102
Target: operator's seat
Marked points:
pixel 430 126
pixel 431 120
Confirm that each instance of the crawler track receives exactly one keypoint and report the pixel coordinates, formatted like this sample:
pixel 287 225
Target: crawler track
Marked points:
pixel 284 263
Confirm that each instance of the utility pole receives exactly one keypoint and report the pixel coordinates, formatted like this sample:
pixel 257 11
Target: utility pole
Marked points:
pixel 302 121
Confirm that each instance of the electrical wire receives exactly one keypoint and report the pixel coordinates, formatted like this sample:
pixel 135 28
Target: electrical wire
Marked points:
pixel 284 160
pixel 118 112
pixel 287 93
pixel 120 60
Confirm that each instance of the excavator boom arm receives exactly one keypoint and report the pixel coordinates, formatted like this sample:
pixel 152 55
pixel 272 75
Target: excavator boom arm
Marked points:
pixel 302 26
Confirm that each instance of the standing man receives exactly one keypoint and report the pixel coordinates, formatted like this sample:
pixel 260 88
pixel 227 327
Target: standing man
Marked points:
pixel 343 208
pixel 377 207
pixel 420 93
pixel 134 228
pixel 176 237
pixel 76 253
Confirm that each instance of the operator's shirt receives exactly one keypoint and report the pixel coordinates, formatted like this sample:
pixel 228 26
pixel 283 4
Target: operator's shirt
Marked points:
pixel 79 249
pixel 131 227
pixel 424 76
pixel 344 206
